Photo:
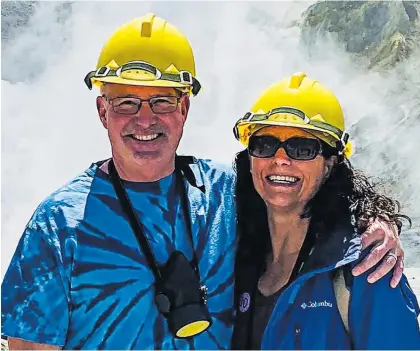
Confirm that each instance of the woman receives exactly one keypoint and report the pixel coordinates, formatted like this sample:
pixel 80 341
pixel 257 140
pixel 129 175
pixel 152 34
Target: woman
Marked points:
pixel 300 203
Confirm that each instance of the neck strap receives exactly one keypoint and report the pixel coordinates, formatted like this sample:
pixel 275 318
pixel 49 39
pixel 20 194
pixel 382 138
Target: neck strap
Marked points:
pixel 137 226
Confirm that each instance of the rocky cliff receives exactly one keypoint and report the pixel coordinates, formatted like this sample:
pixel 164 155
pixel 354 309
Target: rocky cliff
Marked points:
pixel 383 32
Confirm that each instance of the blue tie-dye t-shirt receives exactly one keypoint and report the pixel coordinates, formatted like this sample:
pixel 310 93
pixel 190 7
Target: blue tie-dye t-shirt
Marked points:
pixel 78 278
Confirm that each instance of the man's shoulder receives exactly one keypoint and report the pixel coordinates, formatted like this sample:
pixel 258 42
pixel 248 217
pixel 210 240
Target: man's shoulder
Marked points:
pixel 214 171
pixel 77 187
pixel 67 201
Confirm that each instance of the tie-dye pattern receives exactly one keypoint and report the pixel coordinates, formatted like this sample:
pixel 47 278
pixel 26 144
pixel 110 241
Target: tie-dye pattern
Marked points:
pixel 78 278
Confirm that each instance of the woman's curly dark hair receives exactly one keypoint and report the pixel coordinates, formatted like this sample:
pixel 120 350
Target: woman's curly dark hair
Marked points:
pixel 346 192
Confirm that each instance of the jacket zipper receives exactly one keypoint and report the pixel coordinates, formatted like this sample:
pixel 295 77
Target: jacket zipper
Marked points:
pixel 294 288
pixel 298 339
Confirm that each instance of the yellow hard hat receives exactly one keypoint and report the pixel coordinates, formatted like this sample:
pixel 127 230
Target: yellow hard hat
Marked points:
pixel 299 102
pixel 146 51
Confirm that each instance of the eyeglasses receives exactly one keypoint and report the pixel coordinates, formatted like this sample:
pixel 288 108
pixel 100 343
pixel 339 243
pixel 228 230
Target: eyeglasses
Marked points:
pixel 131 105
pixel 297 148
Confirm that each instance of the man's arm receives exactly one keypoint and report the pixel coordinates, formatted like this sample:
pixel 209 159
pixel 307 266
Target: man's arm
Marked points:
pixel 386 247
pixel 19 344
pixel 35 291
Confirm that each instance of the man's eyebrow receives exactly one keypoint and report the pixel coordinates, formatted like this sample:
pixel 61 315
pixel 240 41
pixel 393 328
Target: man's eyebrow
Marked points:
pixel 127 95
pixel 150 97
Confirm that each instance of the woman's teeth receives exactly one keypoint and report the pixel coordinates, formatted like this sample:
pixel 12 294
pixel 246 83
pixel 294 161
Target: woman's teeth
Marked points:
pixel 283 179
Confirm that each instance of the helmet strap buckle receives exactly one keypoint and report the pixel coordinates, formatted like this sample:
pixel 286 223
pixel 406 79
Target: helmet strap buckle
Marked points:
pixel 186 77
pixel 248 117
pixel 102 71
pixel 344 139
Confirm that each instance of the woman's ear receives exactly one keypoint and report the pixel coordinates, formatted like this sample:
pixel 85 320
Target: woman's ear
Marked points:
pixel 329 165
pixel 250 163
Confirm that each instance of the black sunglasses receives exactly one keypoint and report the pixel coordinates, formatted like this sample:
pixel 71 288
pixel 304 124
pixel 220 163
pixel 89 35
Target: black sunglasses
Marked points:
pixel 297 148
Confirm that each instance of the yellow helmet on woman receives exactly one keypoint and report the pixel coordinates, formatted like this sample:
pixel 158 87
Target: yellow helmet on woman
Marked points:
pixel 146 51
pixel 299 102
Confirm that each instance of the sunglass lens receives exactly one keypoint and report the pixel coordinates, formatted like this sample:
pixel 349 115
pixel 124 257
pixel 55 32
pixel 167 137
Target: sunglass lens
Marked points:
pixel 263 146
pixel 302 148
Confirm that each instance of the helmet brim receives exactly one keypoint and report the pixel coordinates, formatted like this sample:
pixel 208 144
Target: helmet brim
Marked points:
pixel 325 135
pixel 146 83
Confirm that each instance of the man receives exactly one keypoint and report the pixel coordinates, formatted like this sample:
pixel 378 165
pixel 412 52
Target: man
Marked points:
pixel 137 252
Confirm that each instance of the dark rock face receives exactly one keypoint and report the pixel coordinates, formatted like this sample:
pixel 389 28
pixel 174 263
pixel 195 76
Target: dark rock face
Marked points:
pixel 411 10
pixel 382 36
pixel 384 32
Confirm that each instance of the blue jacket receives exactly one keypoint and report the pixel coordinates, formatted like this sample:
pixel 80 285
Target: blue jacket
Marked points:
pixel 306 315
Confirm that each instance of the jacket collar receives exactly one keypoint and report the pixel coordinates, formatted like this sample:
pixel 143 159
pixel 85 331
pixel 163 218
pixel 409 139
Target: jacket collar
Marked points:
pixel 339 248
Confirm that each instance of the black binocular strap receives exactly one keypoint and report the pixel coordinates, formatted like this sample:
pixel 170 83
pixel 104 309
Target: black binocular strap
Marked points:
pixel 136 225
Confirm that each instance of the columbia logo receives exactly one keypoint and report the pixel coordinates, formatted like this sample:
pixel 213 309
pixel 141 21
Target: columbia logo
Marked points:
pixel 315 304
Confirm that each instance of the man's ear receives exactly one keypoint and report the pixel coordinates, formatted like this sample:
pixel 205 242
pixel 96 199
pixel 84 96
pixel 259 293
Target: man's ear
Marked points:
pixel 100 106
pixel 185 105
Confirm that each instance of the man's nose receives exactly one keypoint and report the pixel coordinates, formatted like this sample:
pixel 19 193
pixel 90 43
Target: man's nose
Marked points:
pixel 145 117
